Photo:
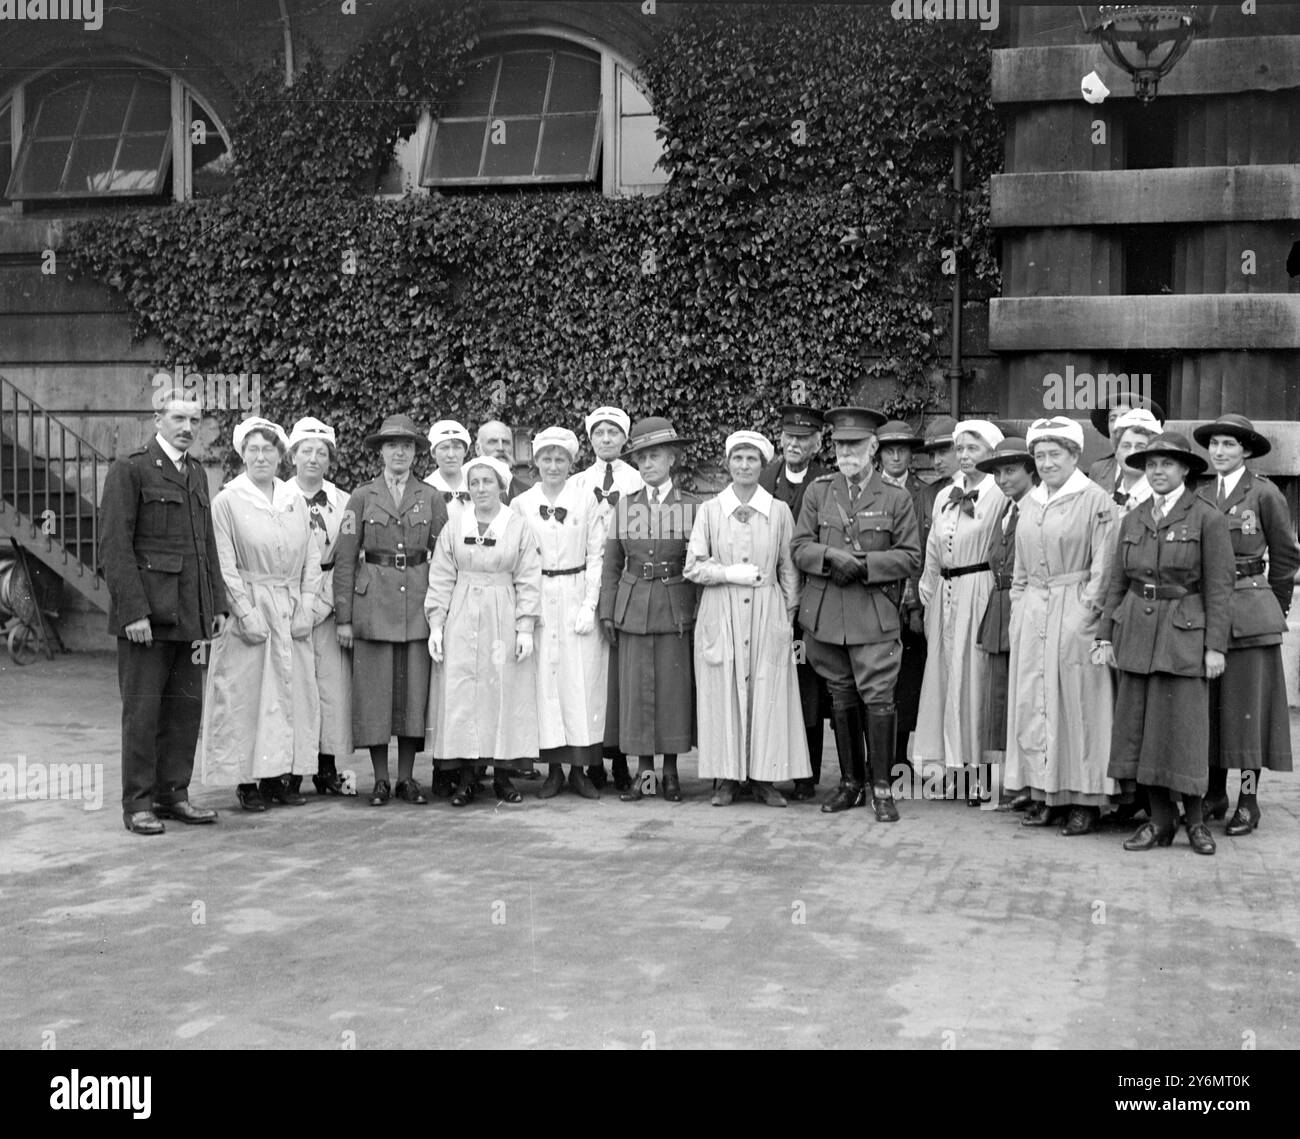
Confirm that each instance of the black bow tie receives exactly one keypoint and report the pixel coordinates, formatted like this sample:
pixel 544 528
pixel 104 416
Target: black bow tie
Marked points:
pixel 461 495
pixel 556 512
pixel 1121 498
pixel 966 501
pixel 610 496
pixel 480 541
pixel 320 498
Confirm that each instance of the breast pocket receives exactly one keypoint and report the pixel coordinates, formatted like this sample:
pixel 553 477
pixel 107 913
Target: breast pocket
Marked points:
pixel 1182 548
pixel 875 531
pixel 829 528
pixel 161 508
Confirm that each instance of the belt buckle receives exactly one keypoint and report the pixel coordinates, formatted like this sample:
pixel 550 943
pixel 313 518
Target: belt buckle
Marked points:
pixel 647 571
pixel 1148 591
pixel 399 561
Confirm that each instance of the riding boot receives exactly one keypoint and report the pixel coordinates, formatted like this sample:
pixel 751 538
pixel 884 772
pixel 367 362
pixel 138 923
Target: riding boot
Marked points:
pixel 849 746
pixel 882 729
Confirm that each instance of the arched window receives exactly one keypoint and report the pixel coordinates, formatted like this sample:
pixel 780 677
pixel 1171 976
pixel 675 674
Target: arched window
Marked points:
pixel 535 110
pixel 106 132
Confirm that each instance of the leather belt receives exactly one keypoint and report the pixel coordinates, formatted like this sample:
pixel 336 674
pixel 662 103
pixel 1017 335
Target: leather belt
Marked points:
pixel 324 566
pixel 649 571
pixel 957 571
pixel 563 572
pixel 1149 591
pixel 1249 567
pixel 398 561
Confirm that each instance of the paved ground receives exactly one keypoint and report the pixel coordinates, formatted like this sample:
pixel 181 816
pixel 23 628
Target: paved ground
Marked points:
pixel 615 925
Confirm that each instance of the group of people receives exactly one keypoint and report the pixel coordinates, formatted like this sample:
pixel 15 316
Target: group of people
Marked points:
pixel 1107 643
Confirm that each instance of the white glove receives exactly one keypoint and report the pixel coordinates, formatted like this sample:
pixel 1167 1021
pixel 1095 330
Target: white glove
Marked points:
pixel 523 646
pixel 435 645
pixel 585 621
pixel 742 575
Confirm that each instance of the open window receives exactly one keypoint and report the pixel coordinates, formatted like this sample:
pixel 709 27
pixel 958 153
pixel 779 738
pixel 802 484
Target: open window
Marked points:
pixel 535 111
pixel 107 132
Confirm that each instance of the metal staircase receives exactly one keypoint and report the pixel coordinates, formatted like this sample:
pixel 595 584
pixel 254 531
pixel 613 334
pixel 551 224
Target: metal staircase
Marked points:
pixel 50 483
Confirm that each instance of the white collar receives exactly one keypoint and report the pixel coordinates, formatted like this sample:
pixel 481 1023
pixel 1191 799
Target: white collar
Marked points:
pixel 796 477
pixel 1171 499
pixel 1073 485
pixel 174 455
pixel 284 494
pixel 497 527
pixel 1230 481
pixel 762 501
pixel 665 489
pixel 1141 491
pixel 436 481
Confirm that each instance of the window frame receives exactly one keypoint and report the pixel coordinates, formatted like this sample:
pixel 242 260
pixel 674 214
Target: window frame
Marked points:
pixel 184 100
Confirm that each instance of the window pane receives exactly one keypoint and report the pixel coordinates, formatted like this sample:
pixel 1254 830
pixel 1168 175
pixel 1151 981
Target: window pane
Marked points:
pixel 457 150
pixel 42 170
pixel 107 108
pixel 91 168
pixel 514 157
pixel 633 102
pixel 576 85
pixel 59 113
pixel 139 165
pixel 567 145
pixel 639 151
pixel 522 89
pixel 474 100
pixel 152 109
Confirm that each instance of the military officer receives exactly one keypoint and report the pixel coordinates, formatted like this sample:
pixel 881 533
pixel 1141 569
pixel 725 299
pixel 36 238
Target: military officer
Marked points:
pixel 381 573
pixel 858 542
pixel 787 478
pixel 159 554
pixel 897 444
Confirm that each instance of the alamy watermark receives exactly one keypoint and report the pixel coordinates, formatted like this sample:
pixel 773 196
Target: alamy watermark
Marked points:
pixel 89 12
pixel 212 391
pixel 985 11
pixel 36 782
pixel 1083 391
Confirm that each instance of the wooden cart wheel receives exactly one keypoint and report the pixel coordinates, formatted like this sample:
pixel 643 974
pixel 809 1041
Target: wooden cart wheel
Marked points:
pixel 24 644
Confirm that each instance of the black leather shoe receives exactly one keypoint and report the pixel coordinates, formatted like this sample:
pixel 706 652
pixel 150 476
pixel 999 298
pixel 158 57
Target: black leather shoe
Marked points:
pixel 185 812
pixel 597 775
pixel 579 782
pixel 441 784
pixel 1039 815
pixel 277 794
pixel 381 794
pixel 327 783
pixel 505 790
pixel 1243 821
pixel 250 798
pixel 670 787
pixel 725 793
pixel 622 777
pixel 804 789
pixel 642 786
pixel 408 790
pixel 1147 836
pixel 846 796
pixel 142 822
pixel 554 784
pixel 464 793
pixel 882 802
pixel 1082 820
pixel 1214 807
pixel 1198 834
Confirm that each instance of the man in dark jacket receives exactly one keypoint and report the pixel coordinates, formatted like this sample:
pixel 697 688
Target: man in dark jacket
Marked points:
pixel 787 478
pixel 166 598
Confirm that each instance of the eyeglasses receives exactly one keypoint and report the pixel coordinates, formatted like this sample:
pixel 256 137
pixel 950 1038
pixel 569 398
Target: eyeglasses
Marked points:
pixel 261 452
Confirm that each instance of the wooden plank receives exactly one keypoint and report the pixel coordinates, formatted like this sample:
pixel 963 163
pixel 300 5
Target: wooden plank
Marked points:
pixel 1211 67
pixel 1025 324
pixel 1146 197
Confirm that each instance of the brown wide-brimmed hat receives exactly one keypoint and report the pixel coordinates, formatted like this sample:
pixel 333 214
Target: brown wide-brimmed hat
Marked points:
pixel 1010 450
pixel 652 431
pixel 897 433
pixel 1240 428
pixel 1171 445
pixel 396 428
pixel 1100 415
pixel 938 435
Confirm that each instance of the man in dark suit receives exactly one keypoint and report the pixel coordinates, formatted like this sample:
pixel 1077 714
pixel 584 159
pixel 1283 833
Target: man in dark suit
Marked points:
pixel 496 441
pixel 858 542
pixel 943 456
pixel 166 597
pixel 786 478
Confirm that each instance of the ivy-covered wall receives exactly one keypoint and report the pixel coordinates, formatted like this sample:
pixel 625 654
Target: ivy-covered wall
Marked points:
pixel 799 248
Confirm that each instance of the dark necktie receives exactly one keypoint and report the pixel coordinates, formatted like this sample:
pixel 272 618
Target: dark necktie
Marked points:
pixel 1121 498
pixel 1009 516
pixel 966 501
pixel 556 512
pixel 854 490
pixel 654 496
pixel 459 495
pixel 608 484
pixel 1223 493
